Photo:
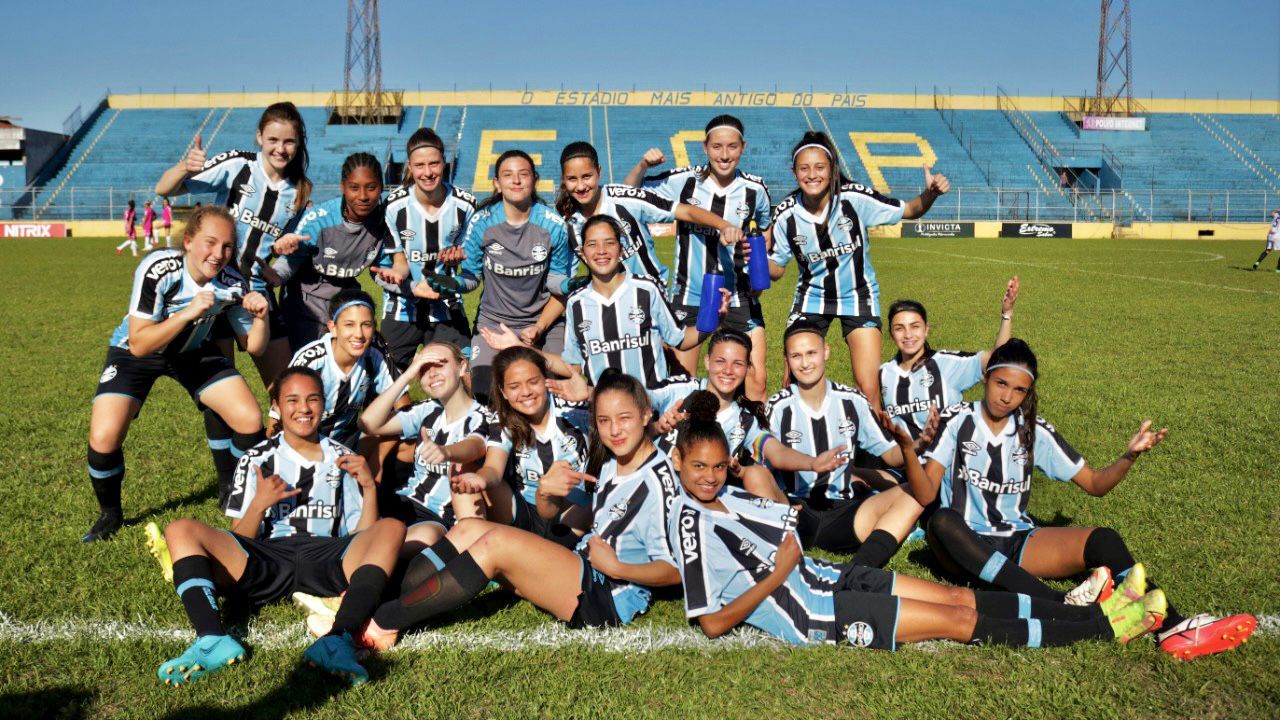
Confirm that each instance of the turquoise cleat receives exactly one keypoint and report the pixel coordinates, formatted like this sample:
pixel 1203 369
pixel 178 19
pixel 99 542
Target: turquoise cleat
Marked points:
pixel 336 654
pixel 206 655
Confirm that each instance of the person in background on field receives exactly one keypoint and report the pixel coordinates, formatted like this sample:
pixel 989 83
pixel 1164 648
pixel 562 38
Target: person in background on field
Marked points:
pixel 166 221
pixel 1273 241
pixel 148 226
pixel 130 230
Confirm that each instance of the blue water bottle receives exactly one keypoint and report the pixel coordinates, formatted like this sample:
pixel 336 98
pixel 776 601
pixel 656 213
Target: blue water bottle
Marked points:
pixel 709 310
pixel 758 263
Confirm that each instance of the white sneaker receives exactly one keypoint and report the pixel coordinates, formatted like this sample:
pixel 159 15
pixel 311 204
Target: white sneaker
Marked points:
pixel 1092 589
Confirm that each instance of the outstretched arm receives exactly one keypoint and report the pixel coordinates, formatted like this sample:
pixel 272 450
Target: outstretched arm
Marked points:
pixel 172 181
pixel 1100 482
pixel 732 615
pixel 653 157
pixel 935 186
pixel 1006 318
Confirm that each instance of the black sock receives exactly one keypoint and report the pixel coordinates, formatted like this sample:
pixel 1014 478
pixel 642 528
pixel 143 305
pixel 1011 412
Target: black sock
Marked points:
pixel 362 598
pixel 218 433
pixel 193 578
pixel 1261 257
pixel 450 588
pixel 1016 605
pixel 441 553
pixel 876 550
pixel 106 473
pixel 948 532
pixel 417 570
pixel 1039 633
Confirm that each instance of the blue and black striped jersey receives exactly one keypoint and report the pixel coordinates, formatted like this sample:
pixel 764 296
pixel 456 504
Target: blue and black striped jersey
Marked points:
pixel 744 431
pixel 721 555
pixel 843 420
pixel 630 514
pixel 345 394
pixel 939 380
pixel 698 248
pixel 429 484
pixel 328 506
pixel 421 237
pixel 836 277
pixel 263 210
pixel 634 209
pixel 986 477
pixel 565 439
pixel 624 331
pixel 162 287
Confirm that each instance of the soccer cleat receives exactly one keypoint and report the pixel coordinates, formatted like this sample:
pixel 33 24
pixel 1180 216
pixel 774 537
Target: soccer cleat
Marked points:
pixel 371 636
pixel 1096 588
pixel 106 526
pixel 1206 635
pixel 1139 618
pixel 1132 589
pixel 159 549
pixel 207 655
pixel 317 605
pixel 336 654
pixel 916 534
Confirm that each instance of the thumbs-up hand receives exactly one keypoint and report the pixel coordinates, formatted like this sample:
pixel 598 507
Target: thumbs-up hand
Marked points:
pixel 195 157
pixel 937 184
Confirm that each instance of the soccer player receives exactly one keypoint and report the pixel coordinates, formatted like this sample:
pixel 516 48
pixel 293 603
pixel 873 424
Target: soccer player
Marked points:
pixel 582 197
pixel 335 242
pixel 166 221
pixel 607 580
pixel 176 296
pixel 739 198
pixel 305 512
pixel 426 216
pixel 1273 241
pixel 265 191
pixel 840 510
pixel 919 381
pixel 517 245
pixel 619 320
pixel 130 230
pixel 740 562
pixel 148 226
pixel 823 225
pixel 978 472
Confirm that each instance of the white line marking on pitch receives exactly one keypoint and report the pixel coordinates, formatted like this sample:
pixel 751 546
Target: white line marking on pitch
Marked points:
pixel 1069 268
pixel 276 636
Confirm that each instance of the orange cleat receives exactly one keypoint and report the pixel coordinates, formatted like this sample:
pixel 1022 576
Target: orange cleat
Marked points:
pixel 1206 635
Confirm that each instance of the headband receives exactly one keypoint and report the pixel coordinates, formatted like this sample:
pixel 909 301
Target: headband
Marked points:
pixel 1015 367
pixel 726 127
pixel 802 148
pixel 350 303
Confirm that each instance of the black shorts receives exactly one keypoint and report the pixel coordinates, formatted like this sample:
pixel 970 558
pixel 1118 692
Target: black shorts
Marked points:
pixel 1010 546
pixel 222 329
pixel 279 568
pixel 525 517
pixel 866 608
pixel 404 338
pixel 828 524
pixel 743 318
pixel 411 513
pixel 848 323
pixel 196 371
pixel 595 603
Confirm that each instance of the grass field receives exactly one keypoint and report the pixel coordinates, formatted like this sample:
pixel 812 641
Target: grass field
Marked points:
pixel 1125 330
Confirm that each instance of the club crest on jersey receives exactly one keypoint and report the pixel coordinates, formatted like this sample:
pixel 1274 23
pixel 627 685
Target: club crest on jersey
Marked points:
pixel 108 374
pixel 538 253
pixel 1020 455
pixel 334 477
pixel 737 435
pixel 794 437
pixel 844 223
pixel 969 447
pixel 636 315
pixel 618 510
pixel 681 315
pixel 247 189
pixel 926 379
pixel 848 427
pixel 859 634
pixel 744 210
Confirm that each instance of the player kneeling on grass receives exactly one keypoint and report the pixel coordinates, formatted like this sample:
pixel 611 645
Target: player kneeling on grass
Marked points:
pixel 978 475
pixel 740 561
pixel 606 580
pixel 840 510
pixel 306 517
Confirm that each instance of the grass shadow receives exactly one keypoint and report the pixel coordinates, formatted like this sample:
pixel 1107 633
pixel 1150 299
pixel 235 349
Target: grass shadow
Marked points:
pixel 304 689
pixel 194 497
pixel 65 703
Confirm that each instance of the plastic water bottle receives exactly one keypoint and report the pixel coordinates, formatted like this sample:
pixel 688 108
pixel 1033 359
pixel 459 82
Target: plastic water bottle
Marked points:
pixel 758 263
pixel 709 310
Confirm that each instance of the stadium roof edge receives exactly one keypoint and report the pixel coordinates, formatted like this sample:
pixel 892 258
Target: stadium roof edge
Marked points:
pixel 673 98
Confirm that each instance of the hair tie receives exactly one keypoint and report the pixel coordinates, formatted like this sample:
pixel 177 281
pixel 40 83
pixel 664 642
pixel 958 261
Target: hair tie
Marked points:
pixel 802 148
pixel 726 127
pixel 1023 368
pixel 350 303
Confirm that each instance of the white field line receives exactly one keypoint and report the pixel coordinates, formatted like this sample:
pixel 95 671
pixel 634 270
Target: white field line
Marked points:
pixel 1070 268
pixel 550 635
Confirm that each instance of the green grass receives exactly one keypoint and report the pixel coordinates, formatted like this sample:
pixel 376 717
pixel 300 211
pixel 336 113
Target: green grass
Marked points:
pixel 1125 330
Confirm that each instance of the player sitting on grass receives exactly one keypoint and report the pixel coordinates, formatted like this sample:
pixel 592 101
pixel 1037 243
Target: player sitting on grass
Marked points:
pixel 840 510
pixel 606 580
pixel 740 562
pixel 918 382
pixel 306 518
pixel 978 476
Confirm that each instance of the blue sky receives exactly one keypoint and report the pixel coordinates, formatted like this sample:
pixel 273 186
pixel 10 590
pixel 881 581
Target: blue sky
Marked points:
pixel 67 53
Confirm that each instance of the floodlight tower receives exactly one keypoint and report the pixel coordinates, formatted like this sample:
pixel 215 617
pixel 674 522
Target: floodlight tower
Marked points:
pixel 362 83
pixel 1115 61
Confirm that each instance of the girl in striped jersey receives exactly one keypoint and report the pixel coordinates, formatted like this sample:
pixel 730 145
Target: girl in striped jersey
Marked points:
pixel 426 217
pixel 740 199
pixel 740 562
pixel 607 580
pixel 266 191
pixel 978 476
pixel 582 197
pixel 823 225
pixel 619 320
pixel 177 295
pixel 920 381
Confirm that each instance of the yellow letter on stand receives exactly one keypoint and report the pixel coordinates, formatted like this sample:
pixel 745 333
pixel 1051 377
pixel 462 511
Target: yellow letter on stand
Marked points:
pixel 483 182
pixel 679 141
pixel 873 163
